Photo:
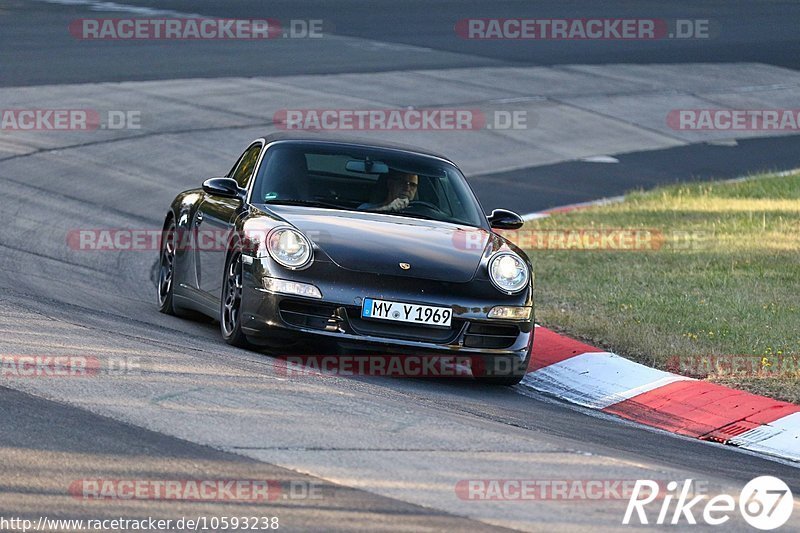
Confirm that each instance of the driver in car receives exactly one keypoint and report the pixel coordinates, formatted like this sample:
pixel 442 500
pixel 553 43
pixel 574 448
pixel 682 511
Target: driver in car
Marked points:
pixel 401 188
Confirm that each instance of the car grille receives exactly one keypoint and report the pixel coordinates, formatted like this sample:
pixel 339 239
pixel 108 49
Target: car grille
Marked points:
pixel 400 330
pixel 308 315
pixel 490 336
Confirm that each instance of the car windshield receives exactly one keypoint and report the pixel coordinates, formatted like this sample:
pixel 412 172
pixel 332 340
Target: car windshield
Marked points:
pixel 347 177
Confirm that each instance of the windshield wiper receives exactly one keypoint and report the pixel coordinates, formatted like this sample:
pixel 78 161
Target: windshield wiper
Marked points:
pixel 306 203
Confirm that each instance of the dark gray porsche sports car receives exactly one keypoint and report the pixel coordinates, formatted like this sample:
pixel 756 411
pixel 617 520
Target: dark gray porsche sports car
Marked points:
pixel 350 245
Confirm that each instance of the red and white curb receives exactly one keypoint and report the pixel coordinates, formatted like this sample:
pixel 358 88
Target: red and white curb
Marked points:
pixel 588 376
pixel 593 378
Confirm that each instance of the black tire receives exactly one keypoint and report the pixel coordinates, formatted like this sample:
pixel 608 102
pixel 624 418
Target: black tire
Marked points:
pixel 230 316
pixel 166 272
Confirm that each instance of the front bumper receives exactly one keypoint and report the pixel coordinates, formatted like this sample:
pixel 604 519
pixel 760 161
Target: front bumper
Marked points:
pixel 334 324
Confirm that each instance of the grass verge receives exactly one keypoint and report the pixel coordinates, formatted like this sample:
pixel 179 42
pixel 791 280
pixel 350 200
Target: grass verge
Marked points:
pixel 700 279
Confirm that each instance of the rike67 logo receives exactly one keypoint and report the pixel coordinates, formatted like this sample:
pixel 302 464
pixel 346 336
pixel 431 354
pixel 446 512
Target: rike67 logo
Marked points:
pixel 766 503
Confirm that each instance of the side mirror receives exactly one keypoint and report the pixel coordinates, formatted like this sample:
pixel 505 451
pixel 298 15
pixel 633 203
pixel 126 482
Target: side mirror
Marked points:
pixel 505 219
pixel 225 187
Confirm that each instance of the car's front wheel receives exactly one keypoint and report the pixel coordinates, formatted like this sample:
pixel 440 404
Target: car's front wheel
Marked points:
pixel 230 316
pixel 166 271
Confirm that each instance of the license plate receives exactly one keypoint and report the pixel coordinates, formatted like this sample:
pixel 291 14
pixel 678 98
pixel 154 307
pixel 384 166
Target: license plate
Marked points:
pixel 427 315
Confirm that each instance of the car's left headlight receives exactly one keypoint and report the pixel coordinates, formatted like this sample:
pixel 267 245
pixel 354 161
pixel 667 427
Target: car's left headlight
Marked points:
pixel 289 247
pixel 508 272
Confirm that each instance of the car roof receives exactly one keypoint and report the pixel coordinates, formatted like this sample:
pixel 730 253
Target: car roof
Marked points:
pixel 312 136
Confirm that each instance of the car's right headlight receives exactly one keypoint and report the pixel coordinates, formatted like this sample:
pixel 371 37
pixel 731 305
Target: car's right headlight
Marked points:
pixel 289 247
pixel 508 272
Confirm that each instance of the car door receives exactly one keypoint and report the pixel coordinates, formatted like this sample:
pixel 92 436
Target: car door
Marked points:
pixel 214 221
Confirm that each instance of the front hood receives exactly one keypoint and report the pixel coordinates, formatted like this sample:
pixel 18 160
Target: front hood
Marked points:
pixel 377 244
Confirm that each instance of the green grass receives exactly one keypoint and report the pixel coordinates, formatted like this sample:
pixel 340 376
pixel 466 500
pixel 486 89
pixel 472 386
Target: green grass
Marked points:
pixel 724 280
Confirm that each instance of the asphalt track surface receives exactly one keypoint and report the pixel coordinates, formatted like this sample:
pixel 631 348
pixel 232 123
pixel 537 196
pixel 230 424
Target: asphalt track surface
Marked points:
pixel 387 453
pixel 571 182
pixel 410 35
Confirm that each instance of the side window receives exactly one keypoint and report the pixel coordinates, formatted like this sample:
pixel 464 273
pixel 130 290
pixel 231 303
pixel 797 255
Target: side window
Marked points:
pixel 244 170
